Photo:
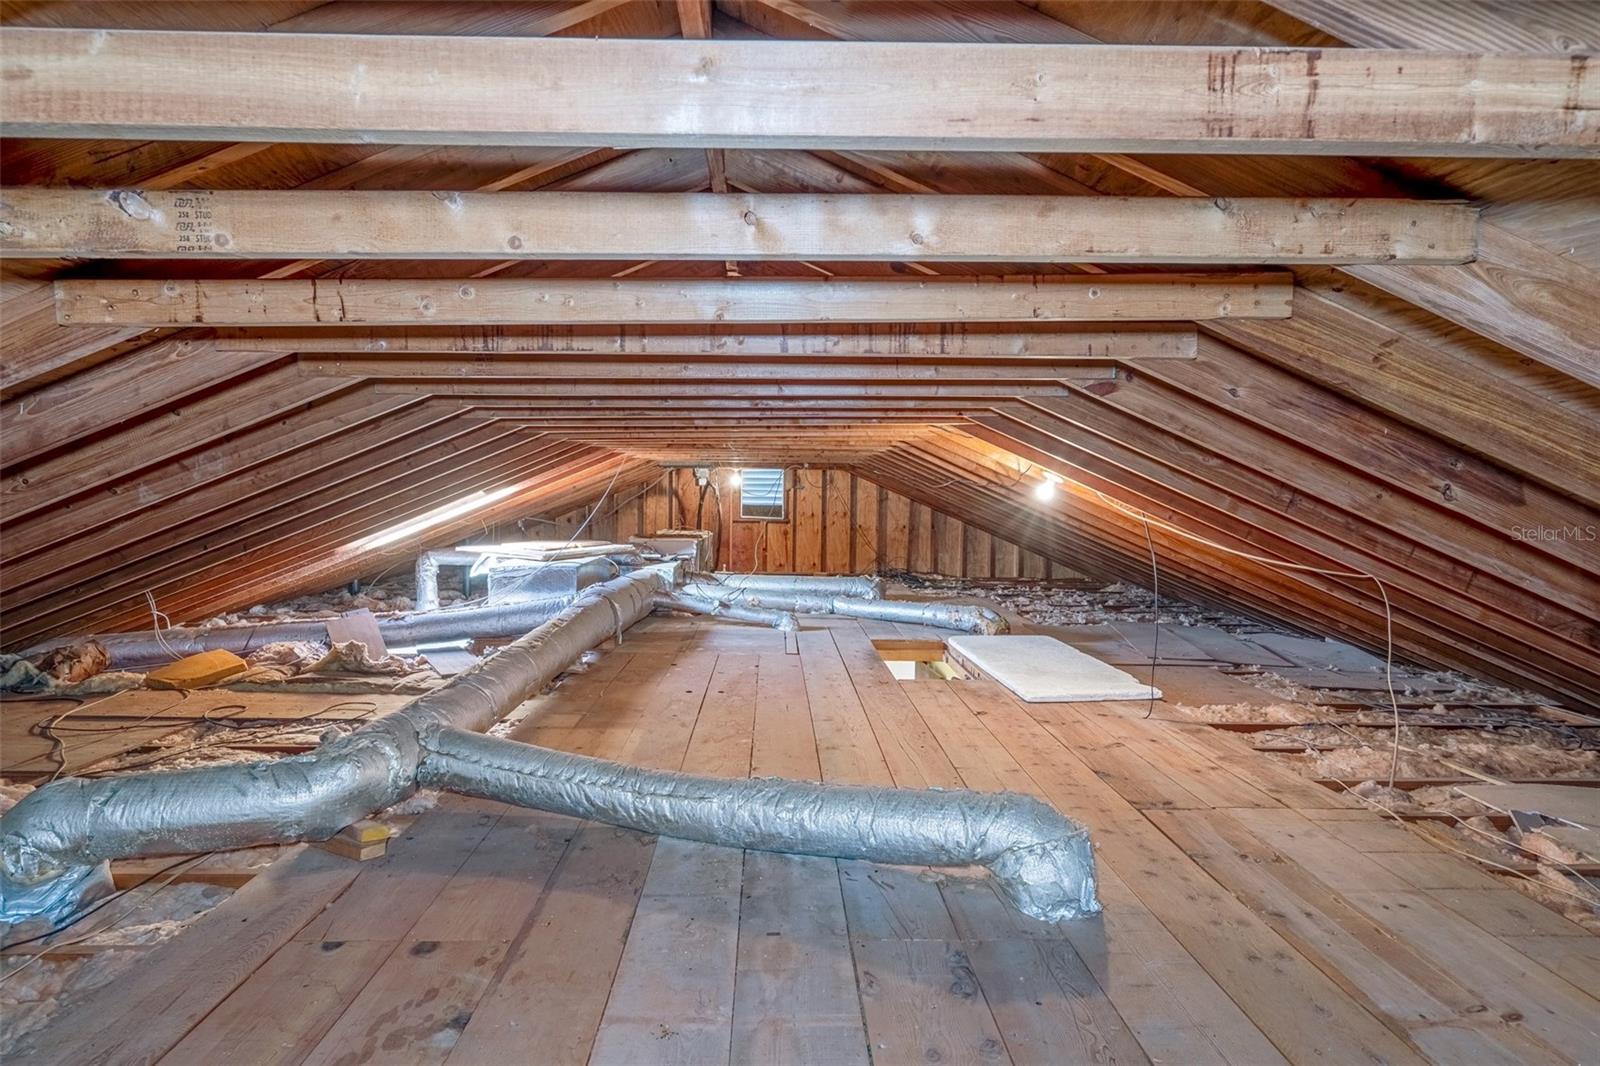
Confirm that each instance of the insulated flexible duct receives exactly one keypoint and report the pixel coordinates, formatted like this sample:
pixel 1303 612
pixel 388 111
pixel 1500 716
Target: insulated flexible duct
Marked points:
pixel 781 620
pixel 427 572
pixel 77 823
pixel 966 617
pixel 131 651
pixel 861 586
pixel 1041 859
pixel 54 843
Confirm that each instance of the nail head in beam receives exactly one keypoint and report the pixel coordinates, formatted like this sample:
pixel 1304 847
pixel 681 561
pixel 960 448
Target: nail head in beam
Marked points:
pixel 492 301
pixel 59 223
pixel 897 96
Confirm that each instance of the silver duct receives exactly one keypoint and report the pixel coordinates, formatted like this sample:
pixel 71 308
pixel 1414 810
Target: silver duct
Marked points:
pixel 1040 858
pixel 55 843
pixel 966 617
pixel 861 586
pixel 427 571
pixel 128 651
pixel 677 601
pixel 74 823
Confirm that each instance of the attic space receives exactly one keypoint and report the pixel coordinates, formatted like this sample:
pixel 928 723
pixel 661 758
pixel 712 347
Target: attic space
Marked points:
pixel 768 532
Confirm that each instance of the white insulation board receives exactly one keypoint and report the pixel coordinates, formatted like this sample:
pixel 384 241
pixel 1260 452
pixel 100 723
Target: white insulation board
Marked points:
pixel 1044 670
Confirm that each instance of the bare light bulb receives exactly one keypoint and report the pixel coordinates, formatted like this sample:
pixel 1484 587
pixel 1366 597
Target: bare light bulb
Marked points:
pixel 1044 491
pixel 735 479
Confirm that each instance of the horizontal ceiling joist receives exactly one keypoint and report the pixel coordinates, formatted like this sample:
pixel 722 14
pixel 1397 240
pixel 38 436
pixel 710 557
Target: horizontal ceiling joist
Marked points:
pixel 756 392
pixel 686 372
pixel 325 224
pixel 1082 298
pixel 348 88
pixel 1021 340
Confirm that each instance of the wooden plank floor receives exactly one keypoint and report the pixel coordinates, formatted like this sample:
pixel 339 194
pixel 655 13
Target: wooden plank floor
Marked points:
pixel 1251 917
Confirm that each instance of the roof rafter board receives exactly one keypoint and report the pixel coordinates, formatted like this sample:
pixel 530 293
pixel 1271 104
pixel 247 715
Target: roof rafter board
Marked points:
pixel 204 224
pixel 282 573
pixel 230 509
pixel 1163 297
pixel 315 521
pixel 316 430
pixel 1056 98
pixel 1495 618
pixel 1350 611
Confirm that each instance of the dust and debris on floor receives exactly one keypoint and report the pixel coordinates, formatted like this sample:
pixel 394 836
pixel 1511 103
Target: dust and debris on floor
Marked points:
pixel 39 979
pixel 1067 603
pixel 1331 718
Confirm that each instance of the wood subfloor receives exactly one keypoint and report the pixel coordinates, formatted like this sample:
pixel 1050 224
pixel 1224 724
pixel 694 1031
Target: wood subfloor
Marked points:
pixel 1252 917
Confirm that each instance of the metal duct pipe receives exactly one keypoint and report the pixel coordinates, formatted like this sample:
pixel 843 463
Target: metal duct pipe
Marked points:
pixel 428 564
pixel 53 844
pixel 143 649
pixel 966 617
pixel 677 601
pixel 1040 858
pixel 861 586
pixel 60 829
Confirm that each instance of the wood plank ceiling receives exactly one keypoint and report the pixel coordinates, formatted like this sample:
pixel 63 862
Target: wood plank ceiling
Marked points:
pixel 1332 305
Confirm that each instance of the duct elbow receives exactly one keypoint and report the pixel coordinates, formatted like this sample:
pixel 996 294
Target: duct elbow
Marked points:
pixel 1045 865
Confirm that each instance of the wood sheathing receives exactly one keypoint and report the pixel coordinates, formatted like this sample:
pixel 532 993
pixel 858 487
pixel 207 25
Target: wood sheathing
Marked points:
pixel 1428 423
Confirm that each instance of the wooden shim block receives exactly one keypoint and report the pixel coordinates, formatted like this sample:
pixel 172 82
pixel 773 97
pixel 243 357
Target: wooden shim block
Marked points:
pixel 131 873
pixel 51 223
pixel 1065 298
pixel 797 94
pixel 349 849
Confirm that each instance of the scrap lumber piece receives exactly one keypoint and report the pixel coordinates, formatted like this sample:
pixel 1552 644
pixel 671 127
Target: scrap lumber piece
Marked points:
pixel 197 671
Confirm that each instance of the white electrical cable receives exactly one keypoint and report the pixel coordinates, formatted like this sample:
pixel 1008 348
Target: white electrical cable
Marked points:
pixel 1280 564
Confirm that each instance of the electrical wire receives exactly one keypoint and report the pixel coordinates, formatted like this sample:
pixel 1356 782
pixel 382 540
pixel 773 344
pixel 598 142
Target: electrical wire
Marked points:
pixel 156 617
pixel 58 745
pixel 274 728
pixel 172 869
pixel 1292 568
pixel 1155 619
